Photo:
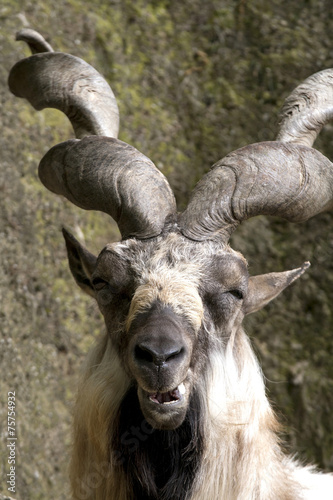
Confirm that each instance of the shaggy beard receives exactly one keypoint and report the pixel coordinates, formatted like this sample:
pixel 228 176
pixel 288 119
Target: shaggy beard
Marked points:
pixel 158 465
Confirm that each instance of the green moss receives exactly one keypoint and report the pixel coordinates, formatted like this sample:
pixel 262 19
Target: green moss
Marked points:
pixel 194 81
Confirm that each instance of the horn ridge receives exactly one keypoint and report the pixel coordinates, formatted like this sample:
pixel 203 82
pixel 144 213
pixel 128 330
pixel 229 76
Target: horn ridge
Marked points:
pixel 65 82
pixel 35 40
pixel 105 174
pixel 96 171
pixel 291 181
pixel 308 108
pixel 286 177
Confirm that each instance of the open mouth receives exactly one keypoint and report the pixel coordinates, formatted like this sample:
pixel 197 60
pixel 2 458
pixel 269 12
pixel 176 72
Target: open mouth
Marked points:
pixel 164 410
pixel 168 398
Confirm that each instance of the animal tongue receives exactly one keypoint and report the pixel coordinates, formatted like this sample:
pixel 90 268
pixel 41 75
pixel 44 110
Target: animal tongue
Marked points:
pixel 165 397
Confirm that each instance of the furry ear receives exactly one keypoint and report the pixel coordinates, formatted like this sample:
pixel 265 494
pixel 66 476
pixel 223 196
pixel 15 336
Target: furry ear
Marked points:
pixel 81 262
pixel 265 287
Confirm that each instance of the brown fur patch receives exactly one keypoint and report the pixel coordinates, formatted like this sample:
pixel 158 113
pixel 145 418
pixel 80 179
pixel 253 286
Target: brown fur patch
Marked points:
pixel 172 287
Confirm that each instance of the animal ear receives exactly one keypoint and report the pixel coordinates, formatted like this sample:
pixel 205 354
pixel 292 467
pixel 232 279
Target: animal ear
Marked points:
pixel 265 287
pixel 81 262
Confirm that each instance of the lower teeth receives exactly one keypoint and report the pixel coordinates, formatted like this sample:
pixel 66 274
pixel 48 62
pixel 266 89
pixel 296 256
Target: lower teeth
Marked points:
pixel 170 397
pixel 182 389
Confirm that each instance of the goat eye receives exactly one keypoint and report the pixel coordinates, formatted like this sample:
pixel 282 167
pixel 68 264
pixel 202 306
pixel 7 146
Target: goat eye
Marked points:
pixel 99 284
pixel 238 294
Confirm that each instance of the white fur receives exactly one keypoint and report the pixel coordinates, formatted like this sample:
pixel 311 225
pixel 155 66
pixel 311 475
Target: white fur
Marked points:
pixel 242 457
pixel 243 460
pixel 316 486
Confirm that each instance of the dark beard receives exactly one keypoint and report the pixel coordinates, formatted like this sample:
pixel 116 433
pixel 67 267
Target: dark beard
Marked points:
pixel 158 464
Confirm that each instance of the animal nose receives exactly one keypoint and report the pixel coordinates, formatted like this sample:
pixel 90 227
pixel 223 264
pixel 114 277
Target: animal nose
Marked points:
pixel 146 353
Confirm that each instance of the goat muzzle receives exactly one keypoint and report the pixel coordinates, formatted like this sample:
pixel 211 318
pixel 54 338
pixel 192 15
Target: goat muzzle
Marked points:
pixel 159 355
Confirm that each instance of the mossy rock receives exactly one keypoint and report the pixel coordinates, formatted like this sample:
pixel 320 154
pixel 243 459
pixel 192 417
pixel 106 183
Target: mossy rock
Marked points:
pixel 194 81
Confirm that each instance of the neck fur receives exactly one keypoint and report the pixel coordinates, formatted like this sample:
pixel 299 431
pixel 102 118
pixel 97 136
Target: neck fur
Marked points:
pixel 242 458
pixel 227 448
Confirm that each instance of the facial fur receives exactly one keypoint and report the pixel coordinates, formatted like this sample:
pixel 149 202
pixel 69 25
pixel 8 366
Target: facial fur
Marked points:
pixel 164 296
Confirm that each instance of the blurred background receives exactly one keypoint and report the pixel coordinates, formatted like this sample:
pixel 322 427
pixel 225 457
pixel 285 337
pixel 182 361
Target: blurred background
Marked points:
pixel 194 80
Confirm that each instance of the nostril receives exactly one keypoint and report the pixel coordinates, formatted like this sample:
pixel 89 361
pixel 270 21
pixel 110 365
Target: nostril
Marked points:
pixel 175 354
pixel 149 354
pixel 143 354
